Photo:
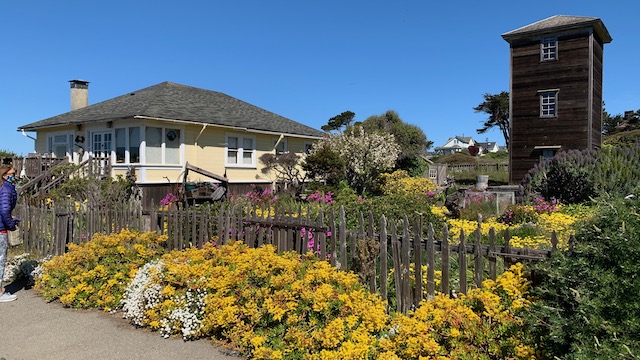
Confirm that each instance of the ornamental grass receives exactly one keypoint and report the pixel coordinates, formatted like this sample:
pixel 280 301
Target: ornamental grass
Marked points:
pixel 280 305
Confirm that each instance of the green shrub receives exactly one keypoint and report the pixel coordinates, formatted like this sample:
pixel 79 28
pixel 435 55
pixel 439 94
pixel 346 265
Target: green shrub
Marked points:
pixel 588 306
pixel 575 176
pixel 567 177
pixel 617 170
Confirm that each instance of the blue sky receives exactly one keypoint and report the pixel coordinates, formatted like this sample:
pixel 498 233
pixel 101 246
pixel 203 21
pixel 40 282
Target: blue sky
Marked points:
pixel 308 61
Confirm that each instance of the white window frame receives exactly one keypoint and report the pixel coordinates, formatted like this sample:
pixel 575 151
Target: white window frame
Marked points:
pixel 548 103
pixel 111 142
pixel 240 151
pixel 69 142
pixel 163 146
pixel 549 48
pixel 127 144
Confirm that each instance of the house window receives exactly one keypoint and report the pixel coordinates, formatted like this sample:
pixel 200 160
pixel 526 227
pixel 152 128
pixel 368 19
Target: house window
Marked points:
pixel 172 146
pixel 127 145
pixel 153 145
pixel 280 146
pixel 121 145
pixel 548 103
pixel 134 145
pixel 549 49
pixel 60 145
pixel 240 151
pixel 162 145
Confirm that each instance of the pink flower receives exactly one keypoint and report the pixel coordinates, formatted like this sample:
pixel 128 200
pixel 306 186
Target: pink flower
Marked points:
pixel 329 233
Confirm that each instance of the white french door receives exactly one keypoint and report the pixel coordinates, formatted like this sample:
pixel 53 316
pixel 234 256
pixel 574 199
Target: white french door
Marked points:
pixel 102 144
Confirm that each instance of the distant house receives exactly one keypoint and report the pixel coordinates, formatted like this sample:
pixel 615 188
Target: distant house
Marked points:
pixel 556 89
pixel 455 144
pixel 488 147
pixel 159 129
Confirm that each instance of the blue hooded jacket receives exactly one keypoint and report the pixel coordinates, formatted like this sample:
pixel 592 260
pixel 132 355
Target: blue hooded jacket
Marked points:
pixel 8 199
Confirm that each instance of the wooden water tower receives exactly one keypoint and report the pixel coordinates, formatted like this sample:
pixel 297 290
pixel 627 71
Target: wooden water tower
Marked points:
pixel 555 89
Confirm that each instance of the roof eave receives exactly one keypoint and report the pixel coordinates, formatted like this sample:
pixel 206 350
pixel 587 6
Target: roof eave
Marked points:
pixel 596 24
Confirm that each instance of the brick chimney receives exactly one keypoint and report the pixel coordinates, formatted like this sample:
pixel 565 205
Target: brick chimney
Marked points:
pixel 79 94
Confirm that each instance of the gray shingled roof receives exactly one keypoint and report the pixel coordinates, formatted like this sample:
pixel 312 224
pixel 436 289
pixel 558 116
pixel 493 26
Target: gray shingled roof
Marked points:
pixel 559 23
pixel 173 101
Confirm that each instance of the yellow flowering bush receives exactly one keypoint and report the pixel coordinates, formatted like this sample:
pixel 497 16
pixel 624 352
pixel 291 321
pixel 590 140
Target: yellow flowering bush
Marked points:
pixel 273 305
pixel 399 182
pixel 281 306
pixel 94 274
pixel 469 227
pixel 485 324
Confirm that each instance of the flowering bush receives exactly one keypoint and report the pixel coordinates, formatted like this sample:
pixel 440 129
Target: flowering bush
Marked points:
pixel 485 324
pixel 275 306
pixel 283 306
pixel 399 182
pixel 95 273
pixel 321 198
pixel 264 197
pixel 169 200
pixel 19 267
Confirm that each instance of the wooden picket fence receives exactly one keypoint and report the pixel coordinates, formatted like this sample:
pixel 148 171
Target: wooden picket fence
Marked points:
pixel 379 246
pixel 397 258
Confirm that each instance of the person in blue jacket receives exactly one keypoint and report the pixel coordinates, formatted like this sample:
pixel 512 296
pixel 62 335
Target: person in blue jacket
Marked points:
pixel 8 199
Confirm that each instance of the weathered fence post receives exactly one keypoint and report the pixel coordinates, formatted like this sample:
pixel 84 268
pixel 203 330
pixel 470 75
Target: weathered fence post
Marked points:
pixel 462 263
pixel 444 250
pixel 384 265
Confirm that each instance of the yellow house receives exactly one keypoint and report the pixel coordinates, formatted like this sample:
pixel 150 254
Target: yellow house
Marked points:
pixel 159 129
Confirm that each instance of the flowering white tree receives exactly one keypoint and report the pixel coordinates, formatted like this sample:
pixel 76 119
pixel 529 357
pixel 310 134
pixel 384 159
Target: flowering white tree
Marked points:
pixel 365 155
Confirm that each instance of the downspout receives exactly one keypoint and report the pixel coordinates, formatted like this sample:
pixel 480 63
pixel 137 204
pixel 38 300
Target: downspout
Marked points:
pixel 195 143
pixel 275 146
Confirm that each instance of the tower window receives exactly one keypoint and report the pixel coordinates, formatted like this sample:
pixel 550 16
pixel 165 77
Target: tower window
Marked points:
pixel 548 103
pixel 549 49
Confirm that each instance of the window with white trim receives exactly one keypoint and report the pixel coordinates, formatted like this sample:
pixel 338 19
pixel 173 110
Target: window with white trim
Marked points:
pixel 548 104
pixel 162 145
pixel 127 145
pixel 241 151
pixel 549 48
pixel 60 145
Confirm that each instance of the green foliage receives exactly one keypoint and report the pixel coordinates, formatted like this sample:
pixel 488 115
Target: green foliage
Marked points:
pixel 324 164
pixel 107 191
pixel 394 206
pixel 567 177
pixel 498 155
pixel 626 138
pixel 411 139
pixel 457 158
pixel 338 121
pixel 576 176
pixel 497 107
pixel 619 124
pixel 7 154
pixel 588 298
pixel 617 171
